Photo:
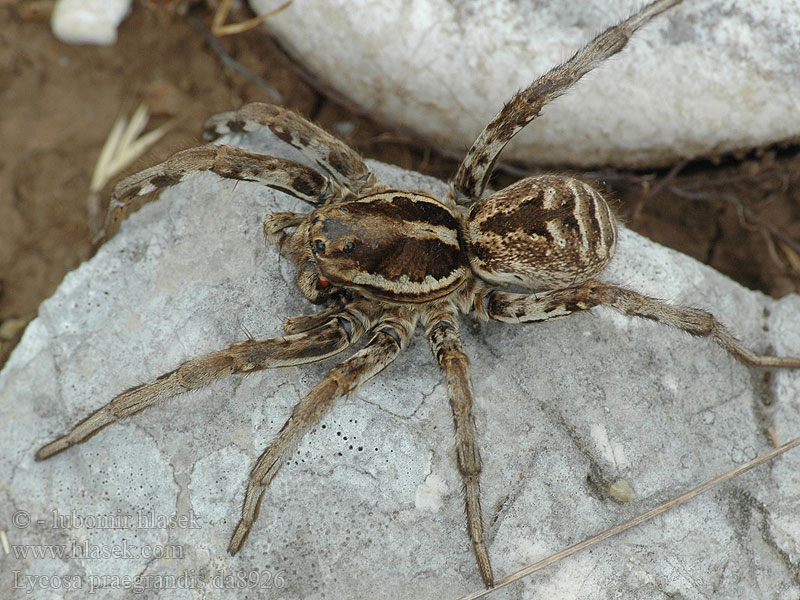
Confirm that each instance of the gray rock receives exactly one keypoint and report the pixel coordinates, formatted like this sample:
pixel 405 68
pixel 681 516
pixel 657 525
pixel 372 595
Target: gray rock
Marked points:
pixel 371 504
pixel 707 77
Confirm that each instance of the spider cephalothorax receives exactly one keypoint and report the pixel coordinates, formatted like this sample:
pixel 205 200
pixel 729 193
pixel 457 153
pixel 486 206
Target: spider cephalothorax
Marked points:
pixel 387 260
pixel 393 245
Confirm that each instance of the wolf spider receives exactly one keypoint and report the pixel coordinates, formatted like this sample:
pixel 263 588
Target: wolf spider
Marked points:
pixel 385 260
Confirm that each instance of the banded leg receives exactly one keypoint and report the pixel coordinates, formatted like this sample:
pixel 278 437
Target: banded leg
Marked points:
pixel 234 163
pixel 391 336
pixel 243 357
pixel 275 226
pixel 449 352
pixel 474 171
pixel 522 308
pixel 302 323
pixel 330 153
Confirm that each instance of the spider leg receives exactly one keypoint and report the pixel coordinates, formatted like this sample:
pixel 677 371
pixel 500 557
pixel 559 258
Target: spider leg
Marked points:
pixel 446 344
pixel 522 308
pixel 276 223
pixel 329 339
pixel 330 153
pixel 390 337
pixel 306 322
pixel 474 171
pixel 227 161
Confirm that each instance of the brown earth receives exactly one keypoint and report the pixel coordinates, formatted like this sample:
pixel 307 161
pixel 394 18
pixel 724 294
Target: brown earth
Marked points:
pixel 58 103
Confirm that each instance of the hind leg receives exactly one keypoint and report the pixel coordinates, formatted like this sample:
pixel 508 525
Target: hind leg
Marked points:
pixel 526 308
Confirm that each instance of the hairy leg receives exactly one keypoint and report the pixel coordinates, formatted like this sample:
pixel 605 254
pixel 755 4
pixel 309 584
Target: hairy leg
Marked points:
pixel 229 162
pixel 330 153
pixel 474 171
pixel 390 337
pixel 305 322
pixel 329 339
pixel 446 344
pixel 522 308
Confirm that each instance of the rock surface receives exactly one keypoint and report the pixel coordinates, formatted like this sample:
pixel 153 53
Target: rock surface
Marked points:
pixel 707 77
pixel 371 504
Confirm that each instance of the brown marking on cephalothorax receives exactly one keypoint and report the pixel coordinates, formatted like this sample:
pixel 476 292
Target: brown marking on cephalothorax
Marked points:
pixel 415 259
pixel 394 245
pixel 405 206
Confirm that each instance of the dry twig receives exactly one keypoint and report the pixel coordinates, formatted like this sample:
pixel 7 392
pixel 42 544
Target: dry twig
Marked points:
pixel 641 518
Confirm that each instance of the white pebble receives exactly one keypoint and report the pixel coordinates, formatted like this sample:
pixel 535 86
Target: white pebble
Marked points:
pixel 88 21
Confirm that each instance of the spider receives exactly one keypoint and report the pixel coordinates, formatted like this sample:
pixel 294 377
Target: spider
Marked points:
pixel 385 261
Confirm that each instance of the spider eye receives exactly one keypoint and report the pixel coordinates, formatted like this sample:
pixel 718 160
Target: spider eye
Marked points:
pixel 319 245
pixel 348 247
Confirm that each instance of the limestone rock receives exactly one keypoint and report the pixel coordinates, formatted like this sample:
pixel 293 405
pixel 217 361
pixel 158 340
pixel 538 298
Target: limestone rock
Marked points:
pixel 371 504
pixel 704 78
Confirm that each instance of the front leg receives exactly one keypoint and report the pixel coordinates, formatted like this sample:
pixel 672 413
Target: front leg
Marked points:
pixel 524 308
pixel 282 174
pixel 474 171
pixel 330 153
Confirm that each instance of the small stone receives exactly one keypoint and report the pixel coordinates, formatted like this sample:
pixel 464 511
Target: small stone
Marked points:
pixel 88 21
pixel 621 491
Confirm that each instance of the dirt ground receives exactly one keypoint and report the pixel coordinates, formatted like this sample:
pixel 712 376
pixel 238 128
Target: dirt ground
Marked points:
pixel 58 103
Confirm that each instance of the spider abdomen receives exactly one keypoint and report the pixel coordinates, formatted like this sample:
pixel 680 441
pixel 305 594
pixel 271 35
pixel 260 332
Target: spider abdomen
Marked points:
pixel 541 233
